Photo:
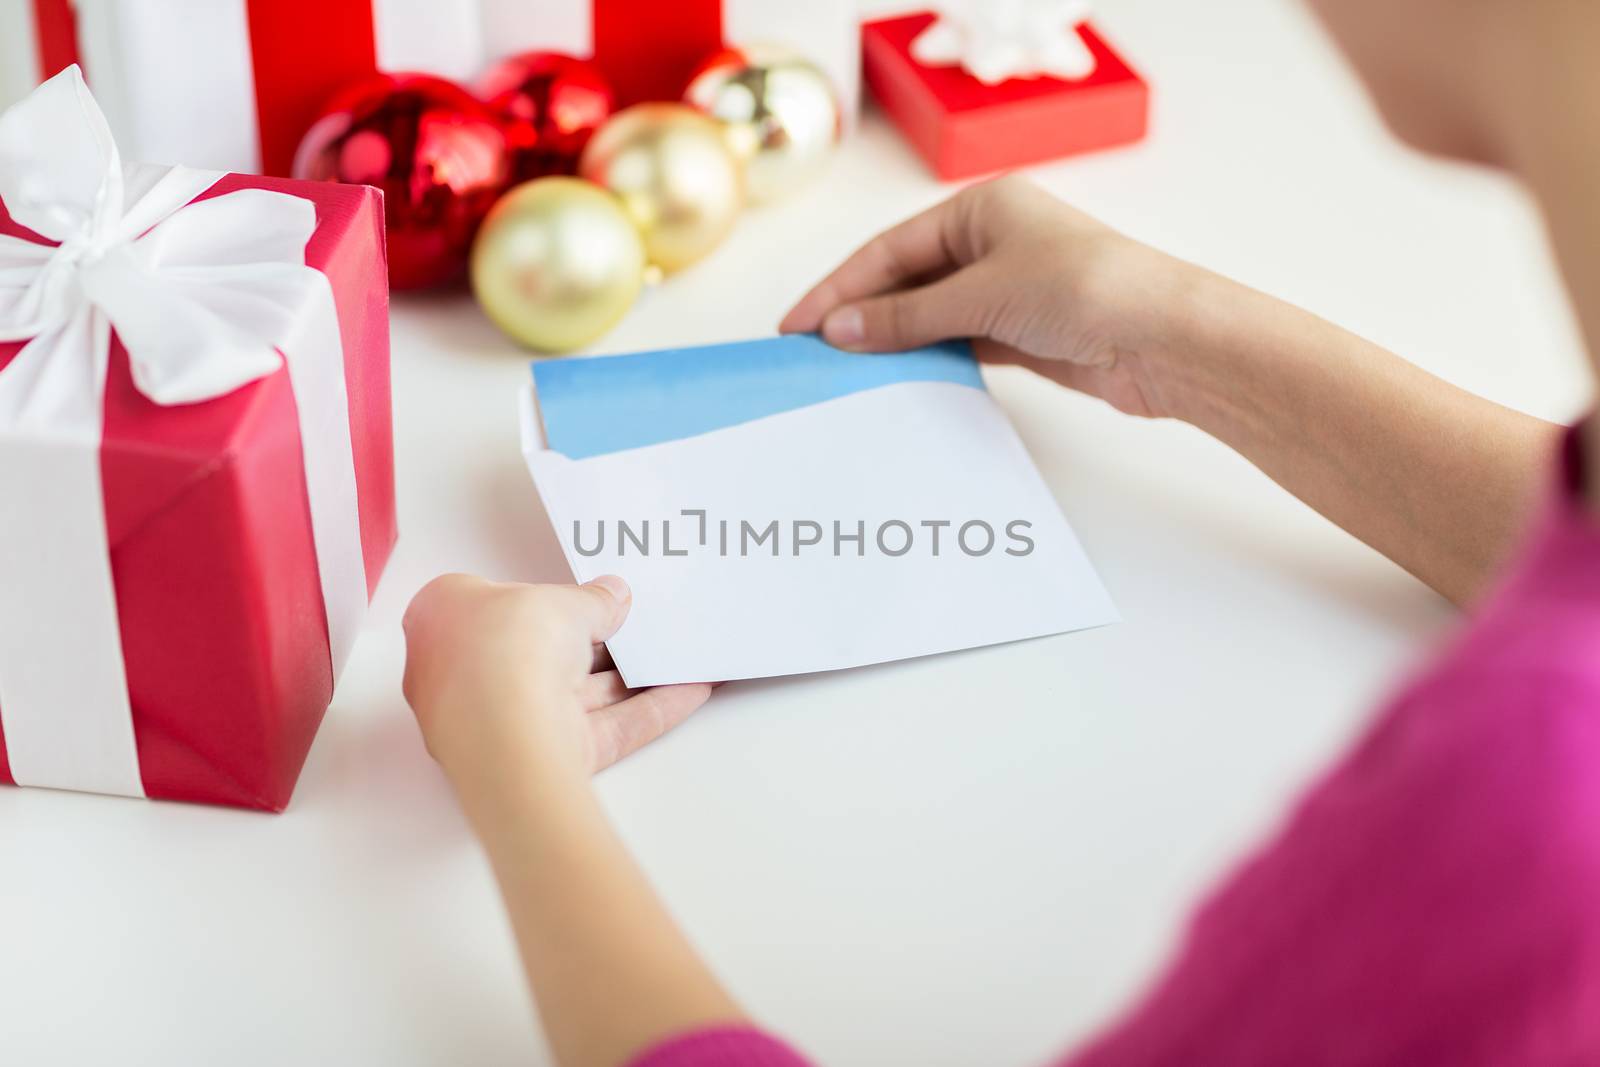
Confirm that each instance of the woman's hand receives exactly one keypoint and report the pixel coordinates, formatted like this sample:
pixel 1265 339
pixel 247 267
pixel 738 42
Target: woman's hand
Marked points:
pixel 512 689
pixel 513 678
pixel 1433 477
pixel 1030 279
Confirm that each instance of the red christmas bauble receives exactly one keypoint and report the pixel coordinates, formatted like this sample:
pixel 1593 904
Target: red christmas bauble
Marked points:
pixel 438 154
pixel 550 104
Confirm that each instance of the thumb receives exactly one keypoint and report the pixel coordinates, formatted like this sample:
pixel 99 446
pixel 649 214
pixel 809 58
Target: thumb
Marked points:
pixel 909 319
pixel 602 606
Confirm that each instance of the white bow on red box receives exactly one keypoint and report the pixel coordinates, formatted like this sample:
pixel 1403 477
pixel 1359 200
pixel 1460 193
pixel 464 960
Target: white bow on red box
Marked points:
pixel 997 40
pixel 206 291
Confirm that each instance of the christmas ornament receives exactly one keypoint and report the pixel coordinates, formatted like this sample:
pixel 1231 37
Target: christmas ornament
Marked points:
pixel 676 176
pixel 996 40
pixel 557 263
pixel 779 112
pixel 438 155
pixel 551 104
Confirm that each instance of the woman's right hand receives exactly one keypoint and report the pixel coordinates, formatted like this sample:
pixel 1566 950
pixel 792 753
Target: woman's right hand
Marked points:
pixel 1435 478
pixel 1030 280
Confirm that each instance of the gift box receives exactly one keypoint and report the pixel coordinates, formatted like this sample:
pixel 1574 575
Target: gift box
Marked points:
pixel 964 127
pixel 196 461
pixel 235 84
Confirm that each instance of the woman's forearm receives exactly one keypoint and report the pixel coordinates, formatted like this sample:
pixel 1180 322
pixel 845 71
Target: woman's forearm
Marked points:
pixel 610 971
pixel 1437 479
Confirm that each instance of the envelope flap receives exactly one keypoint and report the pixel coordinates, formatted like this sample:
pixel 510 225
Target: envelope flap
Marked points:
pixel 590 407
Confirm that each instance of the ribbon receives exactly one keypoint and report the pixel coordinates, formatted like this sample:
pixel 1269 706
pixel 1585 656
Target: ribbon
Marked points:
pixel 206 296
pixel 997 40
pixel 55 36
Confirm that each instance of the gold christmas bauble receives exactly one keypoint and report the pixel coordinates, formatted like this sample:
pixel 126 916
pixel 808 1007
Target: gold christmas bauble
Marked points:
pixel 557 263
pixel 780 115
pixel 675 176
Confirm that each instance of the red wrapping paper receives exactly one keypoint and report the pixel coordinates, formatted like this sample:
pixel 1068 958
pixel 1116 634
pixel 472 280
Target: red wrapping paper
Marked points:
pixel 55 34
pixel 297 72
pixel 964 128
pixel 649 50
pixel 221 612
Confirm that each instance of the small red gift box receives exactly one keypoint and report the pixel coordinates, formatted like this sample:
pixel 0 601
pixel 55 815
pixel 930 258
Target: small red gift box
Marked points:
pixel 223 627
pixel 964 128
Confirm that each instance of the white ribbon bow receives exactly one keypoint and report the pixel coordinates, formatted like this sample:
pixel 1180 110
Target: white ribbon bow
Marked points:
pixel 996 40
pixel 203 296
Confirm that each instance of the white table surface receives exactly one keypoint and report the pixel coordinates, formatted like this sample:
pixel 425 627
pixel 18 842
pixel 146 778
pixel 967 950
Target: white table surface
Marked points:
pixel 969 859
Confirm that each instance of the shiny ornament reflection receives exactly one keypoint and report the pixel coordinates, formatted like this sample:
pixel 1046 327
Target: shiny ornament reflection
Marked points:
pixel 676 177
pixel 436 152
pixel 551 104
pixel 779 111
pixel 557 263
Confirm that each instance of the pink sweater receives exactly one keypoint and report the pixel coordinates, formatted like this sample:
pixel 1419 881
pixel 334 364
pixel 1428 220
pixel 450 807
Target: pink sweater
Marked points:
pixel 1433 901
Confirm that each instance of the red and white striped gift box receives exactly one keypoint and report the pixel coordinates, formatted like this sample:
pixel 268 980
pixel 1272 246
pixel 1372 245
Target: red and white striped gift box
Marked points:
pixel 233 84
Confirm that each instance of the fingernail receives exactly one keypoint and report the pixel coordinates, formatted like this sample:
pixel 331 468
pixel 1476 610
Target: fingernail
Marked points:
pixel 615 586
pixel 844 326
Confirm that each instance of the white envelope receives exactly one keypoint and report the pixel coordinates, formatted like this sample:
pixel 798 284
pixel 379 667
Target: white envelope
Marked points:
pixel 779 507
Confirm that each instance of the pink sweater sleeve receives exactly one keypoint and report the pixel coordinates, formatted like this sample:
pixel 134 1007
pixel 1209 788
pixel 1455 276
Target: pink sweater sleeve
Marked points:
pixel 724 1046
pixel 1434 901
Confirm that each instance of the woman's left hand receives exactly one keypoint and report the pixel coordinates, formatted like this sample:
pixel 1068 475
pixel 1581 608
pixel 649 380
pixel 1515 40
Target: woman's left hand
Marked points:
pixel 517 701
pixel 508 680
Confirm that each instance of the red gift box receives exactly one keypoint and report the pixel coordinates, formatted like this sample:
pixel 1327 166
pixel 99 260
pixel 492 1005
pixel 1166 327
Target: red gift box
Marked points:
pixel 964 128
pixel 224 631
pixel 302 53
